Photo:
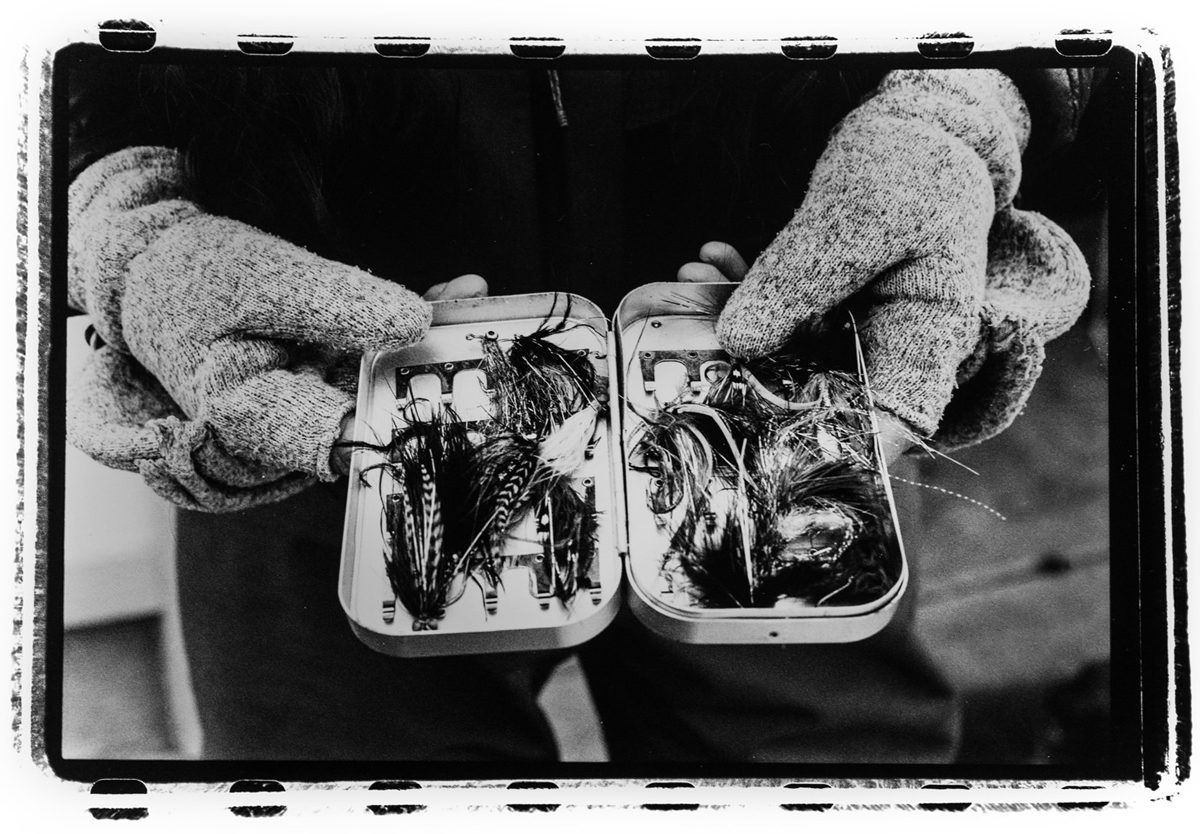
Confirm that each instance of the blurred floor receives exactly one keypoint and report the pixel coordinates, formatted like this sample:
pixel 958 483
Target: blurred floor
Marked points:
pixel 1017 611
pixel 114 698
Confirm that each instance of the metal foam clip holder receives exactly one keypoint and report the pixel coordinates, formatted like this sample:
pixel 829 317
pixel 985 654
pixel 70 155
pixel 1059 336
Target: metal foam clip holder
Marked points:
pixel 546 579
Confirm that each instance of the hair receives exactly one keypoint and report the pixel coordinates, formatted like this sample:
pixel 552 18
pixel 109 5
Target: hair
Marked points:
pixel 288 149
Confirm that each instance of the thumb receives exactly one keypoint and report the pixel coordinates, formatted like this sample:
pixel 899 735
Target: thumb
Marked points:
pixel 725 258
pixel 1036 273
pixel 914 340
pixel 464 286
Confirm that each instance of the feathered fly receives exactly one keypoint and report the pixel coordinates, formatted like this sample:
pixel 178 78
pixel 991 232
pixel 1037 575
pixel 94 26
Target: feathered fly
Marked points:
pixel 428 527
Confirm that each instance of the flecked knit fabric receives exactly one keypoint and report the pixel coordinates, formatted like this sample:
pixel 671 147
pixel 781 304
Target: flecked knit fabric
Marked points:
pixel 1037 285
pixel 111 406
pixel 910 203
pixel 899 208
pixel 223 317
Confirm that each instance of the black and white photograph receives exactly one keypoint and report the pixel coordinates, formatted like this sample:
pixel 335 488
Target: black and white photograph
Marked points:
pixel 680 412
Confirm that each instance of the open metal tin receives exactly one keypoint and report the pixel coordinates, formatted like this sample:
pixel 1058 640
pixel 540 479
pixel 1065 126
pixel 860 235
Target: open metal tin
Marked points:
pixel 521 612
pixel 665 341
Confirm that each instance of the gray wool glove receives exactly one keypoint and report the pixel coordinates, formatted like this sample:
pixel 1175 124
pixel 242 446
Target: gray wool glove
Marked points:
pixel 120 415
pixel 1036 287
pixel 910 207
pixel 224 378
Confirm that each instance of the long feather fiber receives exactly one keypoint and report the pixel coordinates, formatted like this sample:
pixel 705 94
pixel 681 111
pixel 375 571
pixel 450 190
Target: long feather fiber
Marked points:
pixel 564 450
pixel 450 506
pixel 427 525
pixel 790 438
pixel 501 479
pixel 572 526
pixel 512 479
pixel 537 384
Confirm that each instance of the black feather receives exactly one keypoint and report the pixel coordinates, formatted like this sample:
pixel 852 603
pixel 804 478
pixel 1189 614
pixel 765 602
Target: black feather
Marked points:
pixel 428 526
pixel 537 384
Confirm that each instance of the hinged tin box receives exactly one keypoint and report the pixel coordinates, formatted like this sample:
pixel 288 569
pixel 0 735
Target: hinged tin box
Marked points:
pixel 661 346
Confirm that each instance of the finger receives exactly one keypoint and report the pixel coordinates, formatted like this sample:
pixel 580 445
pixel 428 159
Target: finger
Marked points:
pixel 864 214
pixel 109 407
pixel 1036 273
pixel 362 313
pixel 120 415
pixel 158 477
pixel 924 320
pixel 235 279
pixel 214 463
pixel 698 273
pixel 464 286
pixel 725 258
pixel 282 419
pixel 435 292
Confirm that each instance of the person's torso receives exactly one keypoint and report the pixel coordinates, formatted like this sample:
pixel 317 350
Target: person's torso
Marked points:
pixel 593 181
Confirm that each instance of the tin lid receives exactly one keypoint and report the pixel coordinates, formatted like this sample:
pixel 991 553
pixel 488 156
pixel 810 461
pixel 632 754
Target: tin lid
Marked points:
pixel 665 340
pixel 524 611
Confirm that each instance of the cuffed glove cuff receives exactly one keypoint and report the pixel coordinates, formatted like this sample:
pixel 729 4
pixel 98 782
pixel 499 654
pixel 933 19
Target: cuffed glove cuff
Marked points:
pixel 119 415
pixel 994 396
pixel 1037 286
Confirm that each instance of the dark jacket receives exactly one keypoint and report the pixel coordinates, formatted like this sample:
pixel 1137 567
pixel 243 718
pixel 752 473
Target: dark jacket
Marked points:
pixel 590 180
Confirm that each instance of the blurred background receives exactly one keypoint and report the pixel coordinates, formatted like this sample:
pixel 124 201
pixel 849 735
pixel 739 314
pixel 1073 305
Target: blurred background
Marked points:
pixel 1015 610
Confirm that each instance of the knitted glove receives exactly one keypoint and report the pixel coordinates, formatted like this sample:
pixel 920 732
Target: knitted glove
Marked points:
pixel 898 210
pixel 221 341
pixel 1037 285
pixel 120 415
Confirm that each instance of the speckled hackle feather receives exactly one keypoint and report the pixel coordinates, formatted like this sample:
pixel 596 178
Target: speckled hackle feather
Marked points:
pixel 428 527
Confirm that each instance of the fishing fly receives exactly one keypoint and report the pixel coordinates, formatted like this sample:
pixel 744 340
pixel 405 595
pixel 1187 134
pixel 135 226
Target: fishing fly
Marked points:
pixel 457 495
pixel 765 481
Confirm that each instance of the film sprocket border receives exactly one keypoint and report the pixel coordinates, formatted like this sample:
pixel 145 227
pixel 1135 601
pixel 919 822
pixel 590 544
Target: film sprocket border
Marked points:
pixel 1155 317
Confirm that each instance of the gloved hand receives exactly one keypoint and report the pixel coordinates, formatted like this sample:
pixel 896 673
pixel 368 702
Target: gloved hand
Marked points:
pixel 228 366
pixel 898 210
pixel 121 416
